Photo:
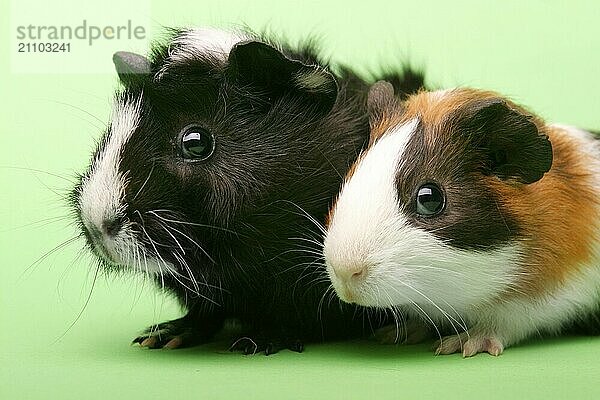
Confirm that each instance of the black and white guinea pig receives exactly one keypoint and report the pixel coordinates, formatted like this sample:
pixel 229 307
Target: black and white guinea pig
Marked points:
pixel 222 148
pixel 471 213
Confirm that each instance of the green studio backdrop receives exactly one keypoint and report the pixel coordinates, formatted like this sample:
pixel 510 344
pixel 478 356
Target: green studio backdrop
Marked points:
pixel 543 54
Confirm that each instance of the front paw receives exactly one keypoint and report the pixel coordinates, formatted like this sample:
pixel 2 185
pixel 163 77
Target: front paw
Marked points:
pixel 470 344
pixel 263 344
pixel 168 335
pixel 179 333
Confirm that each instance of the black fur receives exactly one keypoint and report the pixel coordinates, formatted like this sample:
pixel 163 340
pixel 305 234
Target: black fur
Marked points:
pixel 281 153
pixel 587 324
pixel 409 81
pixel 472 218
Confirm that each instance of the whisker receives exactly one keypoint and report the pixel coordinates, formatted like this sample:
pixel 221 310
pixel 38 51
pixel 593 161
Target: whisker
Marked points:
pixel 323 298
pixel 450 318
pixel 155 213
pixel 145 182
pixel 312 241
pixel 39 171
pixel 307 215
pixel 40 223
pixel 103 123
pixel 49 253
pixel 174 274
pixel 421 310
pixel 87 301
pixel 172 236
pixel 194 242
pixel 188 270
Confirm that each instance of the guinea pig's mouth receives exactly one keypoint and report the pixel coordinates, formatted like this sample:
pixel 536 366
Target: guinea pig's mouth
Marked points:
pixel 125 249
pixel 107 247
pixel 348 292
pixel 102 252
pixel 107 252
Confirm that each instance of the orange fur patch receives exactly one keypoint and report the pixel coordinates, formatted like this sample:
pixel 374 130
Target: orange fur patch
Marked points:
pixel 559 215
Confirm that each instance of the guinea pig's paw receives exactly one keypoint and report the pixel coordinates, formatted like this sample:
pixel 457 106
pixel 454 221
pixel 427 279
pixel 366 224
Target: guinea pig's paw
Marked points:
pixel 411 332
pixel 470 344
pixel 168 335
pixel 251 346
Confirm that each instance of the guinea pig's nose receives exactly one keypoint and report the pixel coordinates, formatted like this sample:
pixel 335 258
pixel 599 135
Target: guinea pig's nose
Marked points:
pixel 351 273
pixel 112 226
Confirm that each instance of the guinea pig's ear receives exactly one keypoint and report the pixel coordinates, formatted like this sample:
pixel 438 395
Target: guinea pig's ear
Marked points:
pixel 131 67
pixel 381 98
pixel 382 104
pixel 510 139
pixel 261 65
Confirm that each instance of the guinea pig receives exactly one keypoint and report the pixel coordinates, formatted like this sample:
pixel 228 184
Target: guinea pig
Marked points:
pixel 470 214
pixel 219 164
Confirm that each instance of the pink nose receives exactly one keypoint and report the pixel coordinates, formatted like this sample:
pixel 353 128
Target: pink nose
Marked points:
pixel 350 273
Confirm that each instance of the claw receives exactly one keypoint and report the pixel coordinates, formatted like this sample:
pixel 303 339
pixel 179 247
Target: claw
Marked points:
pixel 297 346
pixel 271 348
pixel 250 349
pixel 178 333
pixel 149 342
pixel 174 343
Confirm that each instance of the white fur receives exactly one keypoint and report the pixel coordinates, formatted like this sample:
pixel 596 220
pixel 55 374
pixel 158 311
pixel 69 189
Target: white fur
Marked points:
pixel 103 189
pixel 366 207
pixel 102 192
pixel 587 142
pixel 515 320
pixel 194 43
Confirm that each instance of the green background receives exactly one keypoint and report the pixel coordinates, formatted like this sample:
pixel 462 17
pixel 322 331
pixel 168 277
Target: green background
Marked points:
pixel 543 54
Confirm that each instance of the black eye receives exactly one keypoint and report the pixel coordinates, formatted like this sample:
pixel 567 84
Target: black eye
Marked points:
pixel 430 200
pixel 197 143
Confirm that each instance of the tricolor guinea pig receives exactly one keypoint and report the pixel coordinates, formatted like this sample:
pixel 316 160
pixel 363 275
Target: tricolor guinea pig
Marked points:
pixel 222 148
pixel 472 214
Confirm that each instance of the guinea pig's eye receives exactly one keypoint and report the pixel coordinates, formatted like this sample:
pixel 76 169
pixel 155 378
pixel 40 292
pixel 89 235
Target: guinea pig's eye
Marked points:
pixel 197 144
pixel 430 200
